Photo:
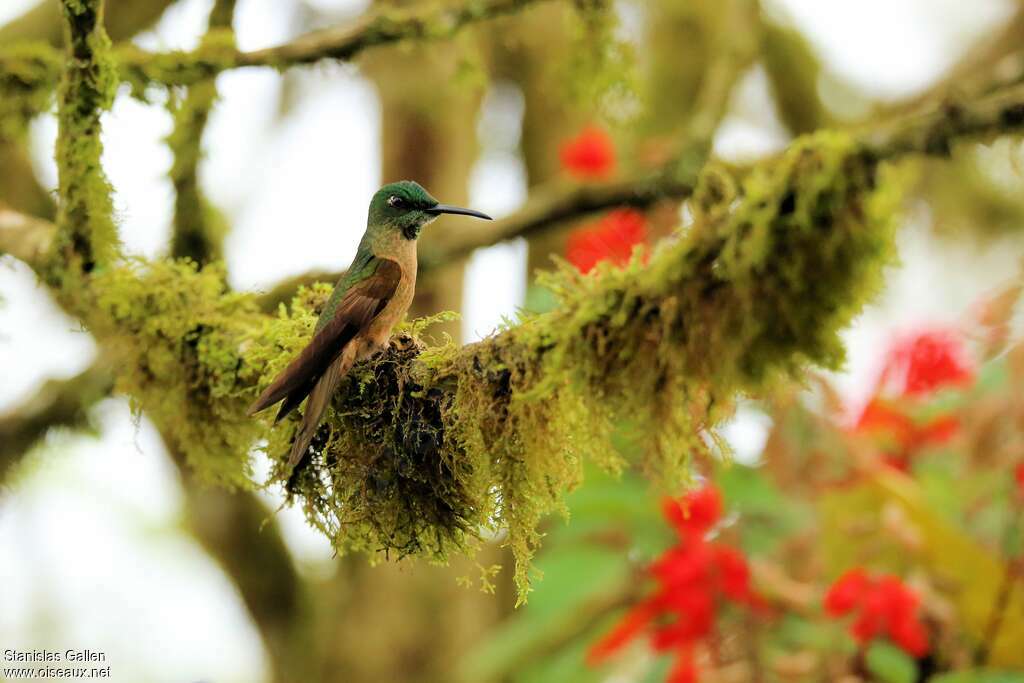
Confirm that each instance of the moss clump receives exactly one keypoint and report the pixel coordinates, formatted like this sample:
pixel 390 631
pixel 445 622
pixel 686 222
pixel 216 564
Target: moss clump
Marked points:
pixel 384 474
pixel 180 335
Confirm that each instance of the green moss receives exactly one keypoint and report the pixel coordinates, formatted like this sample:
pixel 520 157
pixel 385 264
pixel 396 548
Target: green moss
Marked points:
pixel 180 336
pixel 86 235
pixel 140 68
pixel 199 228
pixel 27 79
pixel 601 66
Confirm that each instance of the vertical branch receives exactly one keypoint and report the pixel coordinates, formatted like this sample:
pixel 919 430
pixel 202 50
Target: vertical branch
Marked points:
pixel 198 227
pixel 86 236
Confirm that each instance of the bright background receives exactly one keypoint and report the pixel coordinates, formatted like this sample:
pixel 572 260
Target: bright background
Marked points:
pixel 91 547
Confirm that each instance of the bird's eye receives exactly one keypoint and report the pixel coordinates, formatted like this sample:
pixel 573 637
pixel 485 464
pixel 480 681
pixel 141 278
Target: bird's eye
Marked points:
pixel 396 202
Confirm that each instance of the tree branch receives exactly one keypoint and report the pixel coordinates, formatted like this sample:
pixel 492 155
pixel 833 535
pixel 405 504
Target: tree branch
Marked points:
pixel 341 44
pixel 559 202
pixel 24 237
pixel 86 236
pixel 58 403
pixel 43 23
pixel 199 228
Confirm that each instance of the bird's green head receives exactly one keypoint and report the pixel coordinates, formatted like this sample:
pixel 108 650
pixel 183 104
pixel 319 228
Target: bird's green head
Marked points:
pixel 405 206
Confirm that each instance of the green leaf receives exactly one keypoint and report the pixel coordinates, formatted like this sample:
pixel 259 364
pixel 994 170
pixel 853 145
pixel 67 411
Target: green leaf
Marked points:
pixel 890 664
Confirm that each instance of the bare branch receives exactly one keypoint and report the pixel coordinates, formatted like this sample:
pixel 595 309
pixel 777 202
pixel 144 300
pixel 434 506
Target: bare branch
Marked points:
pixel 58 403
pixel 25 238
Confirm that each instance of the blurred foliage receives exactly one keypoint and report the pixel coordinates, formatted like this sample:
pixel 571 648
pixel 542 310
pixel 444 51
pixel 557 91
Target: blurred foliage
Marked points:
pixel 951 523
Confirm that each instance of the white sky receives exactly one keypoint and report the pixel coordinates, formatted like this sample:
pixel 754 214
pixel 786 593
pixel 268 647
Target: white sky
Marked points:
pixel 90 535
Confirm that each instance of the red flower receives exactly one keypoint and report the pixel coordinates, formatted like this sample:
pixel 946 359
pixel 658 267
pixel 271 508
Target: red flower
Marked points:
pixel 885 607
pixel 1019 476
pixel 899 435
pixel 693 579
pixel 629 628
pixel 611 238
pixel 590 155
pixel 695 513
pixel 847 592
pixel 928 361
pixel 684 670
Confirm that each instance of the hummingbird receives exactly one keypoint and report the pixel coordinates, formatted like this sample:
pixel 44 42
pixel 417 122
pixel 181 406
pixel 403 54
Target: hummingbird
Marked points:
pixel 369 300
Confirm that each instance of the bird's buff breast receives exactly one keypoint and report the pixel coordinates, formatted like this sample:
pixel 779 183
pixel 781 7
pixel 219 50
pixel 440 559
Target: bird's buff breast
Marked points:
pixel 379 332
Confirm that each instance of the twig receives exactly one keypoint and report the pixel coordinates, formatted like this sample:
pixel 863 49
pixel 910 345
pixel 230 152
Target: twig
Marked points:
pixel 58 403
pixel 341 44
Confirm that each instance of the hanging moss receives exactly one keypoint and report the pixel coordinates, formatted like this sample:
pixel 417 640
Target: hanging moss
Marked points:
pixel 179 334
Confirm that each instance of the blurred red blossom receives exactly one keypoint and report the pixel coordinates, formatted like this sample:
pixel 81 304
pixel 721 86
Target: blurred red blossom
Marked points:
pixel 926 362
pixel 915 367
pixel 693 579
pixel 611 238
pixel 695 513
pixel 901 437
pixel 590 155
pixel 1019 476
pixel 885 607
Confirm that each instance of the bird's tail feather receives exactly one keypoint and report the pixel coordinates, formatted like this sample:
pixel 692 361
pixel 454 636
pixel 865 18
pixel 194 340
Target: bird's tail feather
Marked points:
pixel 319 398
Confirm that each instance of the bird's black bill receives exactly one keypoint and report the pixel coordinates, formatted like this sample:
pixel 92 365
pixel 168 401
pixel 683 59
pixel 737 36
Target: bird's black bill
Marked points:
pixel 446 208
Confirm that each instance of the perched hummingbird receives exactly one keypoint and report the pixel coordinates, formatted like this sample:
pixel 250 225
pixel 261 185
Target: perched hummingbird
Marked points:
pixel 368 301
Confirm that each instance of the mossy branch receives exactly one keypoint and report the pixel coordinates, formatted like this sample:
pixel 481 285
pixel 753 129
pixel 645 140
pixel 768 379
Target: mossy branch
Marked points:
pixel 86 236
pixel 931 133
pixel 378 28
pixel 199 228
pixel 425 447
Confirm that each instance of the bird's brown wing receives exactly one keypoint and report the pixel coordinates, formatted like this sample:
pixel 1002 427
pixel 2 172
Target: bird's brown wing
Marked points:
pixel 360 305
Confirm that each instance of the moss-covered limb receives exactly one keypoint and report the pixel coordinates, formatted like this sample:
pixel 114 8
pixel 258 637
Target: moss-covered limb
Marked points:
pixel 933 133
pixel 199 228
pixel 44 22
pixel 342 43
pixel 58 403
pixel 427 446
pixel 86 236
